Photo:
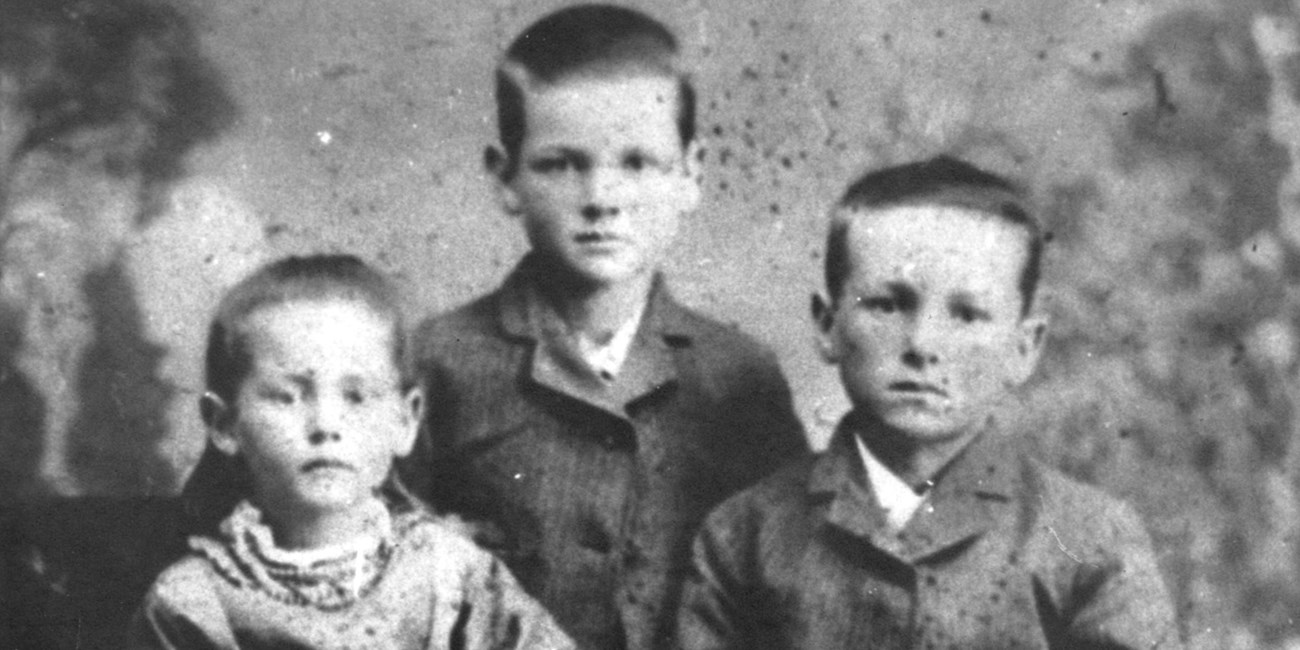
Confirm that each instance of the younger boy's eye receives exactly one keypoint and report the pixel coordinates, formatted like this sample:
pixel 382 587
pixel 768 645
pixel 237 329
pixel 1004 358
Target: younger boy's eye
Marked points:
pixel 355 396
pixel 969 314
pixel 551 165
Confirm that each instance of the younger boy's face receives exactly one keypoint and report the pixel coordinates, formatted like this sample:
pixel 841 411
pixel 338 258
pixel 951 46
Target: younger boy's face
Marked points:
pixel 602 178
pixel 320 414
pixel 928 330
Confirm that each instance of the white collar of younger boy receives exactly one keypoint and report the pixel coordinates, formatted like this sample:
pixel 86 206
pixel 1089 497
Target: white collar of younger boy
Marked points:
pixel 898 500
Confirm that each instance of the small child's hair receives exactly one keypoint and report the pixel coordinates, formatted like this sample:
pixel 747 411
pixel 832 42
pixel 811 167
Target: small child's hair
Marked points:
pixel 945 181
pixel 592 38
pixel 219 482
pixel 312 278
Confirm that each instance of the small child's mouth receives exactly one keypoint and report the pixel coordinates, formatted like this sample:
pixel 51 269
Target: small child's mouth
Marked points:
pixel 325 463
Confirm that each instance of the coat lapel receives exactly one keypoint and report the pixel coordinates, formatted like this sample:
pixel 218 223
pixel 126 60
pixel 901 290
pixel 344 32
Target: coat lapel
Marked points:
pixel 650 365
pixel 970 497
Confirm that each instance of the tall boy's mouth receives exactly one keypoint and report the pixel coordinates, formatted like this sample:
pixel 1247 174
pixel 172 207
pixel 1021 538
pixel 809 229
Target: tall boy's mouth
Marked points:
pixel 917 387
pixel 596 237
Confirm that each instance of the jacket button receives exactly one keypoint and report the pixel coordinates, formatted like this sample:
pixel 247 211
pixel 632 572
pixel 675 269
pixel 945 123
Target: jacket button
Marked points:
pixel 595 538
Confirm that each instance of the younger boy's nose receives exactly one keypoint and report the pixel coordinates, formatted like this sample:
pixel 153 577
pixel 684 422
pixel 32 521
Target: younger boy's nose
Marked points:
pixel 596 211
pixel 920 349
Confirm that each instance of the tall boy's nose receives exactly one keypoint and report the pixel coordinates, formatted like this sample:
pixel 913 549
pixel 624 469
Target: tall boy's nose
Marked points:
pixel 593 211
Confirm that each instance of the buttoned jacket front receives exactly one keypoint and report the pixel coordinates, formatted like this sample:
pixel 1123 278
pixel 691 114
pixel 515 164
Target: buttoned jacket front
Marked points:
pixel 1005 553
pixel 594 491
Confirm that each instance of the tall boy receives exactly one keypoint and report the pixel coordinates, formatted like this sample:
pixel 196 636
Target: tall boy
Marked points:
pixel 579 408
pixel 923 525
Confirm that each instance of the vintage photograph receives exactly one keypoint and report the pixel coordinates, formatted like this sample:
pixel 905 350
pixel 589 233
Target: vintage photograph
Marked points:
pixel 650 324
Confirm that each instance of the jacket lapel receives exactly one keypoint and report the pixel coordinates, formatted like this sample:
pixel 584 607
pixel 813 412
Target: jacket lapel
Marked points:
pixel 969 498
pixel 650 365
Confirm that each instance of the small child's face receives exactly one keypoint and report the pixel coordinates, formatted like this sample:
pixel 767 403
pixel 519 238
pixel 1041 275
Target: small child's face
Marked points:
pixel 928 330
pixel 321 414
pixel 602 178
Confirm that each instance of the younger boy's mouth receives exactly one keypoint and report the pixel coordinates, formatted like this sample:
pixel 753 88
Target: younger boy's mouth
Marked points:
pixel 917 387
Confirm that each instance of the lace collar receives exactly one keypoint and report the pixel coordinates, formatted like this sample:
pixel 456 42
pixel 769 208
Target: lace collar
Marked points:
pixel 327 578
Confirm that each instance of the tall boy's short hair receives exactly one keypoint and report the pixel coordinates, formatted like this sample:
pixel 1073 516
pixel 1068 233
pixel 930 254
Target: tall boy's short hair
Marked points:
pixel 944 181
pixel 593 39
pixel 297 279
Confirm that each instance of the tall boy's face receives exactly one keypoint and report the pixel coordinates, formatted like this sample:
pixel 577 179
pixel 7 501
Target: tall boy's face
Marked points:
pixel 928 332
pixel 602 178
pixel 320 414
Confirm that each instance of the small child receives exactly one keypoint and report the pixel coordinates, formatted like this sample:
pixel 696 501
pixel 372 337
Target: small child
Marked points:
pixel 308 403
pixel 581 410
pixel 924 525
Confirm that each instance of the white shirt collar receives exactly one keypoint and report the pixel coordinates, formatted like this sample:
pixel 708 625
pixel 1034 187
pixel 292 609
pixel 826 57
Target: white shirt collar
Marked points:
pixel 898 500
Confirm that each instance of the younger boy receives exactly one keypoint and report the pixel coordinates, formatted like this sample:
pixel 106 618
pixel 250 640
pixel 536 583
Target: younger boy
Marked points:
pixel 579 408
pixel 308 402
pixel 923 525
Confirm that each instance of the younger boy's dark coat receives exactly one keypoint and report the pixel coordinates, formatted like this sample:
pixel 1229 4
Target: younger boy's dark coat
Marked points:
pixel 595 492
pixel 1006 553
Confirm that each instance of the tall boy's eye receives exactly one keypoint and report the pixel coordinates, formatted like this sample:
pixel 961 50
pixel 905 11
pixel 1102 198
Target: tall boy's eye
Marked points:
pixel 881 304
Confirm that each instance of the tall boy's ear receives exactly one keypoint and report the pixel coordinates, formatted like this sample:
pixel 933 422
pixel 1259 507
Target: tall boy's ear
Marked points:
pixel 218 417
pixel 693 170
pixel 413 415
pixel 497 163
pixel 823 315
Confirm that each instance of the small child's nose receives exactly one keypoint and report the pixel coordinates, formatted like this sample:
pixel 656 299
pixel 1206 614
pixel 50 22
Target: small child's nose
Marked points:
pixel 321 436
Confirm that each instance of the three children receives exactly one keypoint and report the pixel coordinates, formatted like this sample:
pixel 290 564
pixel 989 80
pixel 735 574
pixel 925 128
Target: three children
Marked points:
pixel 591 422
pixel 579 408
pixel 923 524
pixel 309 400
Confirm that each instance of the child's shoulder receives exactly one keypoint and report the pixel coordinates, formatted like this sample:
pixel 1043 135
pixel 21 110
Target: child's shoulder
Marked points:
pixel 445 540
pixel 1086 509
pixel 776 500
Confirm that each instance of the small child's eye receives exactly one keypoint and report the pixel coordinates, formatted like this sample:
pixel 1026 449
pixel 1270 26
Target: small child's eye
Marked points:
pixel 280 396
pixel 636 162
pixel 355 396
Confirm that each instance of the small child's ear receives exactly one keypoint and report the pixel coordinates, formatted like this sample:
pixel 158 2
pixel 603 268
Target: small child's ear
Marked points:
pixel 217 417
pixel 414 403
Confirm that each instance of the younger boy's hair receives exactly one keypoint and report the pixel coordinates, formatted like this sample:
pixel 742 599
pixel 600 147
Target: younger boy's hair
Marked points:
pixel 592 39
pixel 313 278
pixel 944 181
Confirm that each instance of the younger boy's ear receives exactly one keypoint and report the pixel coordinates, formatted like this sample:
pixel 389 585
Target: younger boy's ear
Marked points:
pixel 823 315
pixel 497 163
pixel 413 415
pixel 217 417
pixel 1029 347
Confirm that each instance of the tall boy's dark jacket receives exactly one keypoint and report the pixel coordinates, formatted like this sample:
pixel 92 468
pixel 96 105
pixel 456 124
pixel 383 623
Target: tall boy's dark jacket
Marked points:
pixel 1013 555
pixel 596 492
